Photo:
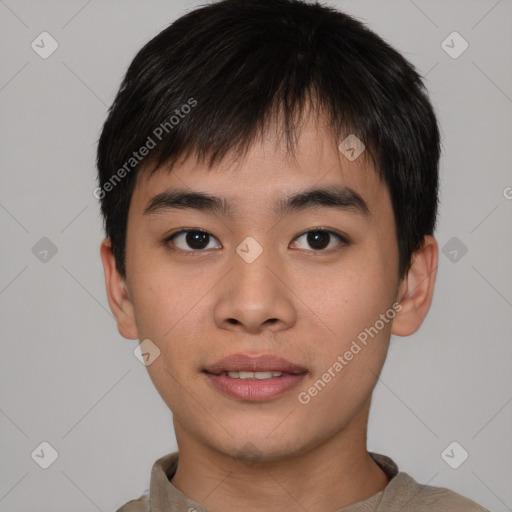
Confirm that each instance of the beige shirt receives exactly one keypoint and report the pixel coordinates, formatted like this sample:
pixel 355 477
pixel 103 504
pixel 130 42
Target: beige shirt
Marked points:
pixel 402 494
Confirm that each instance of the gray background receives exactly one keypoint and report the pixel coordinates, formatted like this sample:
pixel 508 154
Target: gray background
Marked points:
pixel 68 377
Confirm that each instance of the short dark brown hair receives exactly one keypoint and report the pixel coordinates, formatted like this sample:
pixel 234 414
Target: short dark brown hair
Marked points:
pixel 211 81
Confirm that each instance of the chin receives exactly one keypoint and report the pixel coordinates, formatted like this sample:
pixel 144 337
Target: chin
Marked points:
pixel 260 447
pixel 254 452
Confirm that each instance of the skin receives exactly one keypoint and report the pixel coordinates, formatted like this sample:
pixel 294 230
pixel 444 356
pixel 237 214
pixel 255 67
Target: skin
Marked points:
pixel 278 454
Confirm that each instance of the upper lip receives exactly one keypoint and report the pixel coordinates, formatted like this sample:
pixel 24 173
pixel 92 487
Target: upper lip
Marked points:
pixel 247 363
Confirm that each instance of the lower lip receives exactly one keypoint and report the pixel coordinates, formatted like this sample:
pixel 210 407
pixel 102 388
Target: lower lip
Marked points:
pixel 255 390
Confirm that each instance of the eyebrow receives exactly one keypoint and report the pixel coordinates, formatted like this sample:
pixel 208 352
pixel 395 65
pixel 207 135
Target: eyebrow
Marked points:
pixel 341 198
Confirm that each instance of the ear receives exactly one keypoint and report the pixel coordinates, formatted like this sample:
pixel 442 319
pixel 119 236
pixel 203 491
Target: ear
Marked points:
pixel 416 289
pixel 117 293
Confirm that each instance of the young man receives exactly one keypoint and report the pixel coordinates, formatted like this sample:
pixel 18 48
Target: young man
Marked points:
pixel 268 176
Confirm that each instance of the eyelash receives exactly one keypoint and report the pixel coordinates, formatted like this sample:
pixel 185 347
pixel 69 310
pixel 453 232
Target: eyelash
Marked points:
pixel 201 251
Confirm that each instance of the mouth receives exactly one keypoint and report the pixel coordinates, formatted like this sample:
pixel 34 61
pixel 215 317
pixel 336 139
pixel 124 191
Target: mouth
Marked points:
pixel 259 375
pixel 254 378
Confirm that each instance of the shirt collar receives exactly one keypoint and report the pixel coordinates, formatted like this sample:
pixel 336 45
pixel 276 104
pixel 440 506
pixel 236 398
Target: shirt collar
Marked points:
pixel 163 496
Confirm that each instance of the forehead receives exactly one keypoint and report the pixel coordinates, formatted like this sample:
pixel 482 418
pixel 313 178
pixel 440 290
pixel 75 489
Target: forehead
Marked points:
pixel 268 172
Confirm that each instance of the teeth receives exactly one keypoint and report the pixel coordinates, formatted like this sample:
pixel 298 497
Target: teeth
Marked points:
pixel 253 375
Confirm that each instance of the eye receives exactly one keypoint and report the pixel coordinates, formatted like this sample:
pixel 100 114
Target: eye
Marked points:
pixel 319 239
pixel 195 239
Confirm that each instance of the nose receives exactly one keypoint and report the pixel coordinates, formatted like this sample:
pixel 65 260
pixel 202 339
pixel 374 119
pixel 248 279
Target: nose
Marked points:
pixel 256 296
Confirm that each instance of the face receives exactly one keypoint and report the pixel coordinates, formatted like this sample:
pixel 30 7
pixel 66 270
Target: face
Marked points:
pixel 303 296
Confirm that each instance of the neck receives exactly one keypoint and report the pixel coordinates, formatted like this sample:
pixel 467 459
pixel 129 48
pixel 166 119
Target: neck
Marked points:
pixel 329 476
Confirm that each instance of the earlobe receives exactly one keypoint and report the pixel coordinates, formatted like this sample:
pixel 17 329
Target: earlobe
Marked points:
pixel 117 293
pixel 417 289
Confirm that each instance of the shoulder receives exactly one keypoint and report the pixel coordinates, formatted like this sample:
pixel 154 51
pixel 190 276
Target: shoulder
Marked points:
pixel 139 505
pixel 413 496
pixel 161 472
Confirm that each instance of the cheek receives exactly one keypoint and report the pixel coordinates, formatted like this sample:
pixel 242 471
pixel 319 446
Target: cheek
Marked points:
pixel 347 299
pixel 153 303
pixel 170 310
pixel 164 311
pixel 349 360
pixel 162 294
